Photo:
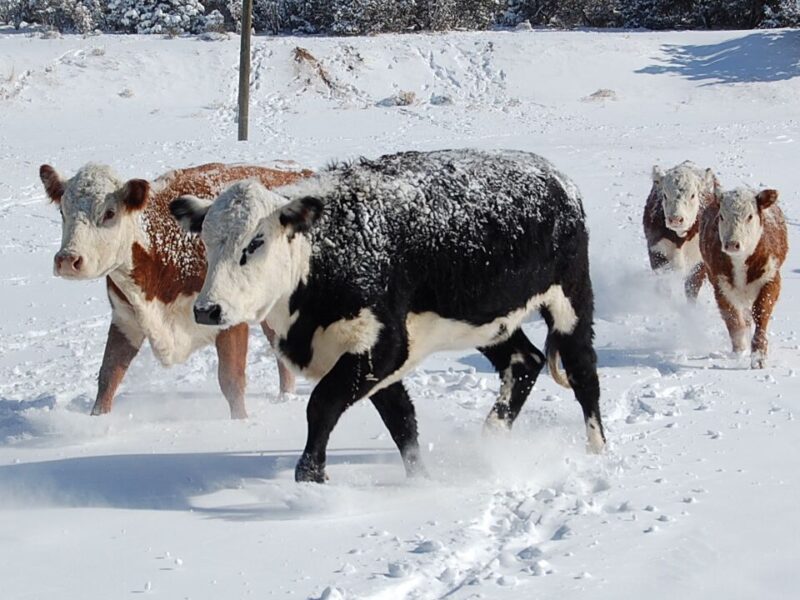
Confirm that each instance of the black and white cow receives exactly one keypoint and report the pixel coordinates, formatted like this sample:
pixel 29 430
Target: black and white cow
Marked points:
pixel 369 267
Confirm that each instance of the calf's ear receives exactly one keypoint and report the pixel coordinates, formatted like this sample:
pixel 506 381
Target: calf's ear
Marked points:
pixel 658 174
pixel 53 184
pixel 766 198
pixel 299 215
pixel 190 212
pixel 134 194
pixel 710 178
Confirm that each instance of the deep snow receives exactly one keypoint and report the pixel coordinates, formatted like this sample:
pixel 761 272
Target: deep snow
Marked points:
pixel 698 491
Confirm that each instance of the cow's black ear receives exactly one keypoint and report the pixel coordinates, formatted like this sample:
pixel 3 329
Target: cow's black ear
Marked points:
pixel 190 212
pixel 53 184
pixel 300 214
pixel 134 194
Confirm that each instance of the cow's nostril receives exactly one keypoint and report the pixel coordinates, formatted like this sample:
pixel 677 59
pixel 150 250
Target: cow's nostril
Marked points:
pixel 216 312
pixel 77 262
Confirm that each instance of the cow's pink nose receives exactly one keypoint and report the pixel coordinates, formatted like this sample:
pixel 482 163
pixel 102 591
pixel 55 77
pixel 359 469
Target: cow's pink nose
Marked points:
pixel 676 220
pixel 732 246
pixel 68 263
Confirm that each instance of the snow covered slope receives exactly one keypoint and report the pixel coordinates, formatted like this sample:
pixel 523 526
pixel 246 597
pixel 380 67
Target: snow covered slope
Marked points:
pixel 165 496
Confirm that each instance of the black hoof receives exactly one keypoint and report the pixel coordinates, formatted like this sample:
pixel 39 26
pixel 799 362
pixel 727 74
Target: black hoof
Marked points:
pixel 306 471
pixel 415 469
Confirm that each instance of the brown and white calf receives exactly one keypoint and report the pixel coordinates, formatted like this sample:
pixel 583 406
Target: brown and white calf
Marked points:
pixel 744 243
pixel 672 221
pixel 123 231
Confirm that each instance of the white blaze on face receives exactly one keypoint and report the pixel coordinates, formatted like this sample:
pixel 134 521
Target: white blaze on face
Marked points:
pixel 97 229
pixel 682 189
pixel 250 262
pixel 740 225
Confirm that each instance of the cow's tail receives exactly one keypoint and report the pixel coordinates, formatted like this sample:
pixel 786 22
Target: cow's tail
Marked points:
pixel 553 360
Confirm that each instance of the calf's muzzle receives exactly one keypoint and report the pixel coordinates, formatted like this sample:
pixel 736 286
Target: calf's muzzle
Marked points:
pixel 210 314
pixel 66 264
pixel 732 247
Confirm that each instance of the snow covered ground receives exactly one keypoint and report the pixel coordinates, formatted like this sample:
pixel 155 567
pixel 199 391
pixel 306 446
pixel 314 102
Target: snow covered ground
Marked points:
pixel 698 491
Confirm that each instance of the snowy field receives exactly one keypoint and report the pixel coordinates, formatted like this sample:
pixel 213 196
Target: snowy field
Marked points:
pixel 698 492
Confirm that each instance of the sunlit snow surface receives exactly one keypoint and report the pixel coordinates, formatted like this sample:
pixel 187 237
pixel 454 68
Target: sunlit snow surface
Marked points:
pixel 697 494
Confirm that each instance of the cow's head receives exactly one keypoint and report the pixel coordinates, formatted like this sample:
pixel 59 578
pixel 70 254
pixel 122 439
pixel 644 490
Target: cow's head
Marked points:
pixel 98 213
pixel 741 219
pixel 682 191
pixel 255 256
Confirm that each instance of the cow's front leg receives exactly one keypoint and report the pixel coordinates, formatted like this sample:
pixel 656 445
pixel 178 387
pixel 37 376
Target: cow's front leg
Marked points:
pixel 658 260
pixel 397 412
pixel 348 381
pixel 352 378
pixel 119 353
pixel 285 376
pixel 762 311
pixel 734 321
pixel 694 281
pixel 232 356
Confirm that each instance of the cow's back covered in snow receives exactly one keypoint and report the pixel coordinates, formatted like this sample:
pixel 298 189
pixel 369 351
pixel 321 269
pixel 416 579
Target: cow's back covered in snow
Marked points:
pixel 366 269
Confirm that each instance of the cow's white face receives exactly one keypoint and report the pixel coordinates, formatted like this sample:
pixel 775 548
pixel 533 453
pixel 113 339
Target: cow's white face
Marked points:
pixel 254 255
pixel 682 190
pixel 99 219
pixel 741 220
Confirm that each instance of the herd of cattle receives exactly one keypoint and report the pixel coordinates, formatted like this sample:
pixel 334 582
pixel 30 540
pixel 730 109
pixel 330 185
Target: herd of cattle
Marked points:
pixel 359 272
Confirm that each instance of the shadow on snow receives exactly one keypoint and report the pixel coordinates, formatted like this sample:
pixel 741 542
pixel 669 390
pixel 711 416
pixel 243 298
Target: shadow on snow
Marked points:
pixel 755 57
pixel 161 481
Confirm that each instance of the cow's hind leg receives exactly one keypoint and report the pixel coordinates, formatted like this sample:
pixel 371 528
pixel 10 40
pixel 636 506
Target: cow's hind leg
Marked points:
pixel 232 354
pixel 518 362
pixel 580 364
pixel 397 412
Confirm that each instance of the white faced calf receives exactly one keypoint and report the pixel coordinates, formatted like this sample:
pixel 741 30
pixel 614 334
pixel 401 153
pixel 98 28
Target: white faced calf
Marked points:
pixel 672 221
pixel 744 244
pixel 123 231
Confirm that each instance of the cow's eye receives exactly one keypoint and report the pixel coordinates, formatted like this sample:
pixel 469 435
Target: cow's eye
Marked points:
pixel 750 218
pixel 254 245
pixel 721 218
pixel 108 215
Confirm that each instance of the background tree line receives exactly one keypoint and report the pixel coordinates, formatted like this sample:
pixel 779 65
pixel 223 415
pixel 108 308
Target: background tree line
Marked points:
pixel 359 17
